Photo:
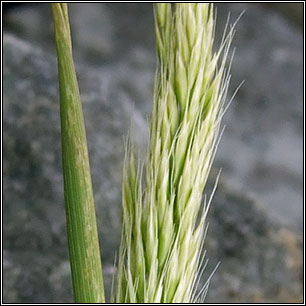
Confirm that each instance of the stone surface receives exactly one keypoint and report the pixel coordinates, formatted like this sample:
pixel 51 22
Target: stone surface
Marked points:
pixel 33 192
pixel 256 217
pixel 261 260
pixel 263 142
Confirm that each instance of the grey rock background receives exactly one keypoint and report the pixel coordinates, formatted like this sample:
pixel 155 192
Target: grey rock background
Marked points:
pixel 256 220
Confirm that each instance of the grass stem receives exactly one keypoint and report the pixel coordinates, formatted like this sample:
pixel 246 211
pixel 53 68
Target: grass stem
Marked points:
pixel 83 242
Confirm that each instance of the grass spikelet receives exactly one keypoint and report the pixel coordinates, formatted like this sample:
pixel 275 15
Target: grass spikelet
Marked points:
pixel 162 236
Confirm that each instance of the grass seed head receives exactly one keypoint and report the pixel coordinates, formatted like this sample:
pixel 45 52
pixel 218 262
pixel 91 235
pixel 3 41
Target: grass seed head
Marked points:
pixel 163 225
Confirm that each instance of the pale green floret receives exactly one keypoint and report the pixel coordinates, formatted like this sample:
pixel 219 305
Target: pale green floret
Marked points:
pixel 162 233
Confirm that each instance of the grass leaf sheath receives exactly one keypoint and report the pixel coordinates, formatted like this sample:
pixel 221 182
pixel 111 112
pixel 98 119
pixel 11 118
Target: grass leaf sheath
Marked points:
pixel 163 222
pixel 82 233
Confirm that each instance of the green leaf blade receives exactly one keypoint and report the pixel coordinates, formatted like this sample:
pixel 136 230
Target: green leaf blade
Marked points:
pixel 83 241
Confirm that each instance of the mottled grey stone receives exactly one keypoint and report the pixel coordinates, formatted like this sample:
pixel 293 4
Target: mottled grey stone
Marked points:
pixel 261 152
pixel 34 235
pixel 260 259
pixel 256 216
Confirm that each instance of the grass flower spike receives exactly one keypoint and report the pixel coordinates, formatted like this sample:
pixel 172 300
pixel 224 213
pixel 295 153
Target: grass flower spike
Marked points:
pixel 164 221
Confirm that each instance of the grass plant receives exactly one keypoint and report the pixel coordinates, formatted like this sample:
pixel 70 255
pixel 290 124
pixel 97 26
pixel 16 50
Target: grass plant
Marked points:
pixel 163 216
pixel 163 221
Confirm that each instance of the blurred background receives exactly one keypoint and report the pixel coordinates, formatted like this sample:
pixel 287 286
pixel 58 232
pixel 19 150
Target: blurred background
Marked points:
pixel 256 218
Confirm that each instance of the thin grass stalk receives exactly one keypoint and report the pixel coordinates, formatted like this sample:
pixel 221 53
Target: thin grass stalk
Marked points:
pixel 163 223
pixel 83 242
